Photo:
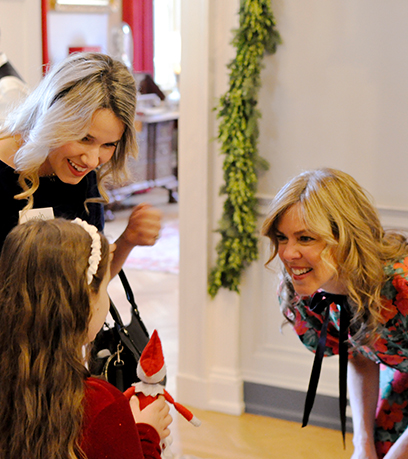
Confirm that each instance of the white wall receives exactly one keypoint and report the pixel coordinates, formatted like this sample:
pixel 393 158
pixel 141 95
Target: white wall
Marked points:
pixel 21 34
pixel 335 94
pixel 167 42
pixel 67 29
pixel 20 37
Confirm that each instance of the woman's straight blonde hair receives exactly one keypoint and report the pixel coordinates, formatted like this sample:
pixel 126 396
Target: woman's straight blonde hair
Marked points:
pixel 60 110
pixel 335 207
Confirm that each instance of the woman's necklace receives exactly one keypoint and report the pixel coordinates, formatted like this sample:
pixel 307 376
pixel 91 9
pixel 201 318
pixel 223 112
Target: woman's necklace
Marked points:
pixel 51 177
pixel 48 172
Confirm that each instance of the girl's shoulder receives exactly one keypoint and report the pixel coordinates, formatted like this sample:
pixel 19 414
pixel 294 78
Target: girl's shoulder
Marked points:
pixel 101 396
pixel 101 388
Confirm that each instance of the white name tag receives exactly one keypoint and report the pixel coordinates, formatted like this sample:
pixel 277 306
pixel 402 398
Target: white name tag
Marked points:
pixel 46 213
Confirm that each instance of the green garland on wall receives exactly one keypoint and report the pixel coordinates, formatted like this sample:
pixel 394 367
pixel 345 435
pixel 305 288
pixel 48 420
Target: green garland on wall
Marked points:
pixel 238 135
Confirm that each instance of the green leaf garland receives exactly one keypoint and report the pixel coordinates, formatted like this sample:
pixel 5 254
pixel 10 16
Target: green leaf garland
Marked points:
pixel 238 135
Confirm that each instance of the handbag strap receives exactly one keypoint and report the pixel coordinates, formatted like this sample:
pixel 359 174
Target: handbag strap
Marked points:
pixel 130 297
pixel 122 329
pixel 115 314
pixel 128 290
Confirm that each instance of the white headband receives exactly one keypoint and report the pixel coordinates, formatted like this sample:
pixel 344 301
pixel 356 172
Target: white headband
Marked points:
pixel 95 257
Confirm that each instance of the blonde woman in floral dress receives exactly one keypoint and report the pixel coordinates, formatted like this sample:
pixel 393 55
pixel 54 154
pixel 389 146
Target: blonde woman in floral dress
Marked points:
pixel 345 291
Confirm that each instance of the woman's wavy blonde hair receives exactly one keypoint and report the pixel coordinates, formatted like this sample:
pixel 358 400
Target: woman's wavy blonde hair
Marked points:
pixel 45 310
pixel 335 206
pixel 60 110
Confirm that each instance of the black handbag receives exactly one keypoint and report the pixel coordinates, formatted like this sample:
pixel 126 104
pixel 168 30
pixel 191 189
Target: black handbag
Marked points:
pixel 116 349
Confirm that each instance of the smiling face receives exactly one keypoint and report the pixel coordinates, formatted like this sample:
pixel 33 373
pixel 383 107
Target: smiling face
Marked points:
pixel 73 160
pixel 301 253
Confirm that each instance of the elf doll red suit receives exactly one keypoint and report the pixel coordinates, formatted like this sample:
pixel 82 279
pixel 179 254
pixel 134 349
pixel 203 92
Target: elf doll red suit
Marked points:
pixel 151 370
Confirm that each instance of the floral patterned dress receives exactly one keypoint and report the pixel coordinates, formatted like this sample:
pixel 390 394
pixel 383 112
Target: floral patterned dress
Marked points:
pixel 390 351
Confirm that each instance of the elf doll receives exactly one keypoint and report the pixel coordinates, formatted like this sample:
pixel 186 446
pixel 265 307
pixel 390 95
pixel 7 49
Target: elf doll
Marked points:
pixel 151 371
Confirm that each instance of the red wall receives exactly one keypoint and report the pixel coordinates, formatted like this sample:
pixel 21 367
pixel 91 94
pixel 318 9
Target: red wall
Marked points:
pixel 139 15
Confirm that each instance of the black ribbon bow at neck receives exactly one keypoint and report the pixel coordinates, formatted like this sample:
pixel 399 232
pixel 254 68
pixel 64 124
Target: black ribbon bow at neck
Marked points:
pixel 320 304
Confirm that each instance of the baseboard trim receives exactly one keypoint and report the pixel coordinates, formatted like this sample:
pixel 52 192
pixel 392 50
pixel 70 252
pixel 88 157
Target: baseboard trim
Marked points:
pixel 288 405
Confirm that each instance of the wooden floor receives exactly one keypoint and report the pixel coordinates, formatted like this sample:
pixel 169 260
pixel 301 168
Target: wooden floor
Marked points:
pixel 220 436
pixel 255 437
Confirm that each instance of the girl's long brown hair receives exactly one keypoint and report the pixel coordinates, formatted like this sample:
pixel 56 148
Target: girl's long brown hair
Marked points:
pixel 45 311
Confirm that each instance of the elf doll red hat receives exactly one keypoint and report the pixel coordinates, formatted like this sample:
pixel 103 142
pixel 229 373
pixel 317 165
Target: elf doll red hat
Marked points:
pixel 151 367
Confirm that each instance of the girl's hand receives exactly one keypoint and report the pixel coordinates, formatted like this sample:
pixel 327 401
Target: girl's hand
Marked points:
pixel 156 415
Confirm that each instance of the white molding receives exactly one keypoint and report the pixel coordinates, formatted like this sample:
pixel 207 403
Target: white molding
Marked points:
pixel 222 391
pixel 394 218
pixel 193 179
pixel 290 369
pixel 226 391
pixel 192 390
pixel 209 373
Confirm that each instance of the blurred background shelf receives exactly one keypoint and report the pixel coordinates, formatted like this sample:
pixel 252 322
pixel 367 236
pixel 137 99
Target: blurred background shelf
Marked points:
pixel 156 165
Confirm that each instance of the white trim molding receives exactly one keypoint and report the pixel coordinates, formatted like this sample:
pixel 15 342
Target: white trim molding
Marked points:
pixel 209 374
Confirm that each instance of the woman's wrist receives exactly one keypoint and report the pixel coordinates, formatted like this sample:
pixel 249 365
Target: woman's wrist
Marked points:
pixel 125 241
pixel 363 441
